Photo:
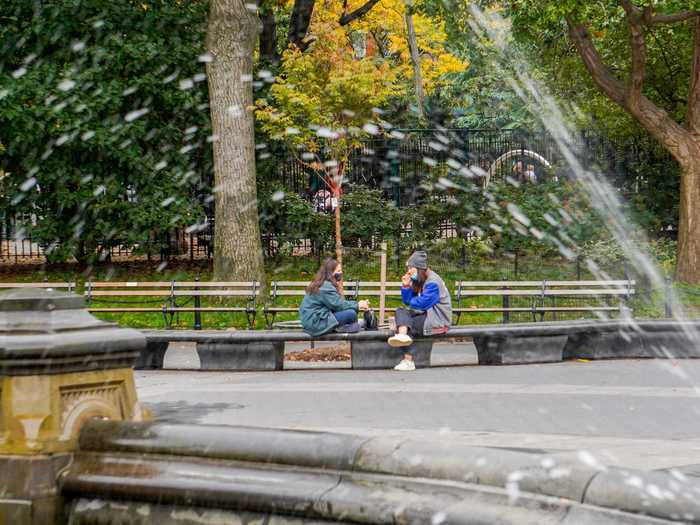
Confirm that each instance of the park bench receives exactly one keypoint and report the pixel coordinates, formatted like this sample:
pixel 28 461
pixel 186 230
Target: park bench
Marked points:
pixel 286 297
pixel 67 286
pixel 538 298
pixel 172 297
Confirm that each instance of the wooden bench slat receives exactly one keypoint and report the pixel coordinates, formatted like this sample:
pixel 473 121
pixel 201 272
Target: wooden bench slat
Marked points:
pixel 475 284
pixel 127 309
pixel 37 285
pixel 539 309
pixel 346 284
pixel 168 284
pixel 208 309
pixel 128 293
pixel 545 293
pixel 169 309
pixel 176 293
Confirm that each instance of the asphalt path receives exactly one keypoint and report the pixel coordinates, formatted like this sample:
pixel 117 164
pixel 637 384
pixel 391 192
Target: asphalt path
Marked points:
pixel 636 413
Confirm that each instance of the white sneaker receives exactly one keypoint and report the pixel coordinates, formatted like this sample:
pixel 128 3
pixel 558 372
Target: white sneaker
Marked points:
pixel 400 340
pixel 405 365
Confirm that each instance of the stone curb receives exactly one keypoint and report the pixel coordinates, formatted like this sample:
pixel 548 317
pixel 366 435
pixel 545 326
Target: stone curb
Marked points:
pixel 325 495
pixel 577 478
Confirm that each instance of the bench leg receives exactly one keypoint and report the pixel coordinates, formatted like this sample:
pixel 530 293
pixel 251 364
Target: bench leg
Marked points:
pixel 495 350
pixel 250 316
pixel 151 357
pixel 378 354
pixel 241 356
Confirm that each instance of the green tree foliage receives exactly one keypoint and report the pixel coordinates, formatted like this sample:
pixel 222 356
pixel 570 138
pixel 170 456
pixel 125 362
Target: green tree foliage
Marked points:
pixel 540 29
pixel 103 114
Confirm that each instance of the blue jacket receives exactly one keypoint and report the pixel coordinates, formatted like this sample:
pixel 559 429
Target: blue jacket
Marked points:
pixel 430 296
pixel 316 310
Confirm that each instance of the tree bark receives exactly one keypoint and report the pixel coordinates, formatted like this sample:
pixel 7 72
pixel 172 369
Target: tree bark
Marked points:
pixel 688 267
pixel 338 237
pixel 231 37
pixel 268 36
pixel 299 23
pixel 415 60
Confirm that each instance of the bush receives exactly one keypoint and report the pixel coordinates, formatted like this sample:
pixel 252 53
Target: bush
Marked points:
pixel 103 112
pixel 291 218
pixel 366 215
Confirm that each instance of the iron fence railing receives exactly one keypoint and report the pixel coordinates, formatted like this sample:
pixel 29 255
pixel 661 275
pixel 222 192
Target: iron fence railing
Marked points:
pixel 397 165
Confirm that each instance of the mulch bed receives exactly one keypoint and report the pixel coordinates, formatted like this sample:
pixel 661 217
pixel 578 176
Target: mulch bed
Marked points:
pixel 339 352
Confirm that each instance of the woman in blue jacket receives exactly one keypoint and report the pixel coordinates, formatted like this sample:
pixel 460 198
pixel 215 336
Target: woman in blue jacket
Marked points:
pixel 429 307
pixel 324 309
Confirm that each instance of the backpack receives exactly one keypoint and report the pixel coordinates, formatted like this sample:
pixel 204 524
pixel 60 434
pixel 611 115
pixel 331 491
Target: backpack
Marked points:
pixel 370 320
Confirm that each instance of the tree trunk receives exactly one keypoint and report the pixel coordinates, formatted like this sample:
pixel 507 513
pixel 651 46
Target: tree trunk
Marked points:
pixel 268 36
pixel 338 238
pixel 415 60
pixel 688 267
pixel 299 23
pixel 231 37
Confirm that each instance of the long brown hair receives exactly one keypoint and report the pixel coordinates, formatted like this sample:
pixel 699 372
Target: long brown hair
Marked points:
pixel 325 273
pixel 422 277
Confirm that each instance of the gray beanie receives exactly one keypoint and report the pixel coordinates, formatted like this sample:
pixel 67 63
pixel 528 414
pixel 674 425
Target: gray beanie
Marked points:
pixel 419 259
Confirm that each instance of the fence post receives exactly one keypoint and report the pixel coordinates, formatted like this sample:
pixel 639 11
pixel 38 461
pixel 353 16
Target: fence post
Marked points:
pixel 382 283
pixel 506 304
pixel 463 256
pixel 398 252
pixel 578 267
pixel 668 310
pixel 516 264
pixel 197 306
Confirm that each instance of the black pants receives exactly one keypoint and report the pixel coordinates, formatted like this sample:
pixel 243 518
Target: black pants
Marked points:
pixel 411 319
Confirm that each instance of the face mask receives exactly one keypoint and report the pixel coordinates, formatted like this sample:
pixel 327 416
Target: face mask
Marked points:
pixel 414 277
pixel 338 276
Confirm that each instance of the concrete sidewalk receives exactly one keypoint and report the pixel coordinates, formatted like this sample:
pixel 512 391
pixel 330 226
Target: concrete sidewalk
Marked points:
pixel 637 413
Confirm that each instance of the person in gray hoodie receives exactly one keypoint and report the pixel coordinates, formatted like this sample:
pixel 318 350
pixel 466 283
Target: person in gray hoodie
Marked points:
pixel 429 307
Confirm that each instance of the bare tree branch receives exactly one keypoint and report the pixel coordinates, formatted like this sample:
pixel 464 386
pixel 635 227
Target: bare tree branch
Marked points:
pixel 361 11
pixel 639 51
pixel 693 114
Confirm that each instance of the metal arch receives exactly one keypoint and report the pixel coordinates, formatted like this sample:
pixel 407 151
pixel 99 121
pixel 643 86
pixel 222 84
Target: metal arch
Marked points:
pixel 511 154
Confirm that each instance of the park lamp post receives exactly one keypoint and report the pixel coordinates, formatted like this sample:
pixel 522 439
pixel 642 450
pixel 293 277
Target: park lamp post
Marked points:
pixel 59 368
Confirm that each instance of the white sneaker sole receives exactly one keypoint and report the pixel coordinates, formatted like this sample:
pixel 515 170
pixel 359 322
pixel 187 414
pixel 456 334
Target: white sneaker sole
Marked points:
pixel 397 343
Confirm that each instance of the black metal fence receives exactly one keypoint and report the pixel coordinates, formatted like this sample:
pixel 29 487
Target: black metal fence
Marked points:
pixel 397 165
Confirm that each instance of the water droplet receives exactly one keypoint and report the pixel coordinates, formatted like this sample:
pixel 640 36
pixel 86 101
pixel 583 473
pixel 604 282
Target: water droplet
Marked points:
pixel 370 128
pixel 28 184
pixel 133 115
pixel 66 84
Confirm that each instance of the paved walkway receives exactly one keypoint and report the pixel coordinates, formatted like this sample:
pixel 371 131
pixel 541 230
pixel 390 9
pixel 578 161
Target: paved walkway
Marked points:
pixel 641 414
